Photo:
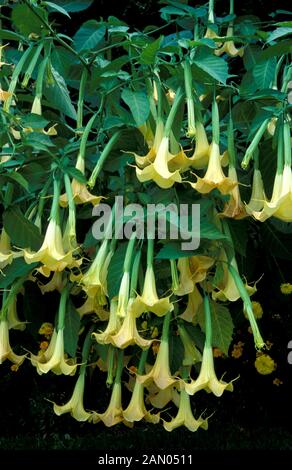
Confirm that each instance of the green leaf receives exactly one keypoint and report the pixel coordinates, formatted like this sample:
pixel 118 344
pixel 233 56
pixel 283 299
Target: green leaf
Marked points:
pixel 209 231
pixel 76 174
pixel 115 270
pixel 54 7
pixel 89 35
pixel 10 35
pixel 74 6
pixel 282 47
pixel 149 53
pixel 215 66
pixel 26 21
pixel 15 176
pixel 57 93
pixel 71 329
pixel 263 73
pixel 278 33
pixel 239 233
pixel 277 243
pixel 176 353
pixel 18 268
pixel 35 121
pixel 173 250
pixel 22 232
pixel 222 325
pixel 138 104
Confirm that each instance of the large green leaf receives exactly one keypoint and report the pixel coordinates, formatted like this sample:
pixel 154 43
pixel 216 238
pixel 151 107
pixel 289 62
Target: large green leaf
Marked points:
pixel 263 73
pixel 222 325
pixel 115 270
pixel 215 66
pixel 149 53
pixel 26 21
pixel 10 35
pixel 138 104
pixel 71 330
pixel 74 6
pixel 89 35
pixel 22 232
pixel 278 33
pixel 57 93
pixel 15 270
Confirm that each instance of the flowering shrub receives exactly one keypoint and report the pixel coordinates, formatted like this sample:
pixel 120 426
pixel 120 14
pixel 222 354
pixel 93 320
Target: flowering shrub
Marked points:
pixel 157 120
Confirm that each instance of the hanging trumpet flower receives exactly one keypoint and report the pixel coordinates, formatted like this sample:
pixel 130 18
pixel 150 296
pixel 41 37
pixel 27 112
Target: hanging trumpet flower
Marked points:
pixel 149 300
pixel 54 357
pixel 158 171
pixel 136 409
pixel 214 177
pixel 280 205
pixel 6 351
pixel 75 405
pixel 128 333
pixel 80 193
pixel 234 208
pixel 52 254
pixel 228 46
pixel 207 377
pixel 160 372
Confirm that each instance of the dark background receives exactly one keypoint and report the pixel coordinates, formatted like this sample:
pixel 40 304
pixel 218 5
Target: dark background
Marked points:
pixel 255 416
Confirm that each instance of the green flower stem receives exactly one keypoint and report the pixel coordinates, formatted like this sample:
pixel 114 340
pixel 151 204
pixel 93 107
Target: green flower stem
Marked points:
pixel 287 143
pixel 185 372
pixel 62 308
pixel 135 274
pixel 169 122
pixel 84 138
pixel 231 147
pixel 41 204
pixel 142 362
pixel 174 274
pixel 32 65
pixel 150 252
pixel 40 77
pixel 159 96
pixel 211 18
pixel 231 7
pixel 287 76
pixel 165 327
pixel 120 366
pixel 8 297
pixel 259 342
pixel 280 150
pixel 103 156
pixel 278 67
pixel 149 88
pixel 8 195
pixel 129 253
pixel 254 143
pixel 55 210
pixel 190 98
pixel 72 208
pixel 83 81
pixel 208 323
pixel 111 362
pixel 215 122
pixel 16 72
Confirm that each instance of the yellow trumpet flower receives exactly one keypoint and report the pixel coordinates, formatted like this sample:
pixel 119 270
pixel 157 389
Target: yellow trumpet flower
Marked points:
pixel 149 301
pixel 90 306
pixel 12 317
pixel 6 351
pixel 160 372
pixel 51 254
pixel 185 416
pixel 54 358
pixel 234 208
pixel 75 405
pixel 161 398
pixel 56 283
pixel 226 288
pixel 128 333
pixel 207 378
pixel 194 301
pixel 143 161
pixel 81 195
pixel 114 412
pixel 158 171
pixel 258 197
pixel 214 177
pixel 94 280
pixel 112 326
pixel 6 255
pixel 136 409
pixel 199 266
pixel 229 47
